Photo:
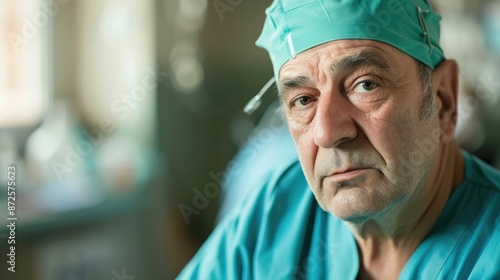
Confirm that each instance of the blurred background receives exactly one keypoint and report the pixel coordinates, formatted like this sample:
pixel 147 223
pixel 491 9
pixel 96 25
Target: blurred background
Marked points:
pixel 124 121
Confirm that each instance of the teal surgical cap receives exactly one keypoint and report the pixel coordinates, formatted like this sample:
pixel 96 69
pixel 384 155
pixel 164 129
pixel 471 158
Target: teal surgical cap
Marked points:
pixel 293 26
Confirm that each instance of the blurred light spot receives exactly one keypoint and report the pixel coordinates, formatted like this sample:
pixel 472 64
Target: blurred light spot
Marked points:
pixel 461 38
pixel 183 48
pixel 188 73
pixel 192 8
pixel 47 139
pixel 191 14
pixel 492 27
pixel 470 134
pixel 73 195
pixel 115 22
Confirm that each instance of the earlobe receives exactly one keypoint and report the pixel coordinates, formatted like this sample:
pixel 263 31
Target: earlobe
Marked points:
pixel 445 85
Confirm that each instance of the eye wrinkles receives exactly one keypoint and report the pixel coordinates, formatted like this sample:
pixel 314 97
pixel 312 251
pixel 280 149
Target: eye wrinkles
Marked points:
pixel 365 58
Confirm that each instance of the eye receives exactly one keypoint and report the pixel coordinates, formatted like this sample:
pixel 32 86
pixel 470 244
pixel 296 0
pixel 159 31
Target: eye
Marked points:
pixel 302 101
pixel 365 86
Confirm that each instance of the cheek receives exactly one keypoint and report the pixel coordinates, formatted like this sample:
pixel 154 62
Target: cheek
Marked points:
pixel 306 150
pixel 389 132
pixel 384 129
pixel 406 145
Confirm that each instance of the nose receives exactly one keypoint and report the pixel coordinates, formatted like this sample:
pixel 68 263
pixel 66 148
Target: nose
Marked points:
pixel 334 123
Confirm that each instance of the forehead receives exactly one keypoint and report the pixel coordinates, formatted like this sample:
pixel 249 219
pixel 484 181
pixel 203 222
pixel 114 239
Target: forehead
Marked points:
pixel 328 54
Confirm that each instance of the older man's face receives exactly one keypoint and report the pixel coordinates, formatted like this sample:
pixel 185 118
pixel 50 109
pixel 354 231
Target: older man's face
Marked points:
pixel 354 109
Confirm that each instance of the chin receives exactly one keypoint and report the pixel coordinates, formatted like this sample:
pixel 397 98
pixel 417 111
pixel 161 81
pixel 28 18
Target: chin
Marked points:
pixel 353 216
pixel 356 209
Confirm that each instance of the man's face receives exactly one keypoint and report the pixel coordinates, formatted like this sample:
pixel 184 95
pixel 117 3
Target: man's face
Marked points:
pixel 354 109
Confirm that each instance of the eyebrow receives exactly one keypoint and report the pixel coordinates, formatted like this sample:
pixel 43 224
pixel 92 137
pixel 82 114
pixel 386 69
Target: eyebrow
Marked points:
pixel 365 58
pixel 370 58
pixel 289 84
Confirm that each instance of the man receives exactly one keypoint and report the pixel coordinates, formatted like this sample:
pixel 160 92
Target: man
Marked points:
pixel 371 104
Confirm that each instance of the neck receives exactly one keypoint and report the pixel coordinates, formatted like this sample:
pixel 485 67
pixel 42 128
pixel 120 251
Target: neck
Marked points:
pixel 386 243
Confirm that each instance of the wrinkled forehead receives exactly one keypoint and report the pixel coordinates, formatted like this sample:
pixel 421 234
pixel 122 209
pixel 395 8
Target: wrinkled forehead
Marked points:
pixel 343 55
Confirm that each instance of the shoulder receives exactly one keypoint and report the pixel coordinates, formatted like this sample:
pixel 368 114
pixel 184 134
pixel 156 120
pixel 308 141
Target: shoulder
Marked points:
pixel 464 242
pixel 479 193
pixel 480 174
pixel 477 199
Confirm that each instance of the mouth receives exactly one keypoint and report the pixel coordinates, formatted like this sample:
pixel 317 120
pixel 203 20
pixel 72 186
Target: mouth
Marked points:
pixel 347 174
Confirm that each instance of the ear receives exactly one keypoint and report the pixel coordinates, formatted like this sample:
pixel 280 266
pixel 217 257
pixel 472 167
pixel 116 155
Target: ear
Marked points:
pixel 445 86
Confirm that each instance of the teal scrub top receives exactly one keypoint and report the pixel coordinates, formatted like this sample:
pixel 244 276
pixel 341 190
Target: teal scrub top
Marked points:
pixel 282 233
